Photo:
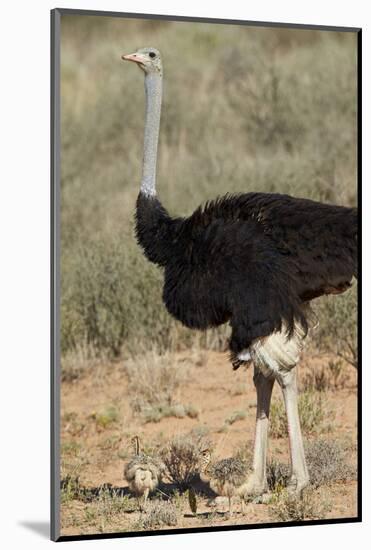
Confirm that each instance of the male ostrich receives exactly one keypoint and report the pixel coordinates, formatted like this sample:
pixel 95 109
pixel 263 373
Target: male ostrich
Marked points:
pixel 143 473
pixel 254 260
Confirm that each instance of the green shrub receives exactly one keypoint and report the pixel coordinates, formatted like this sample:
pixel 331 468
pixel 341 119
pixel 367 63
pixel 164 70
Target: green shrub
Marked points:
pixel 154 382
pixel 109 305
pixel 311 413
pixel 106 417
pixel 337 330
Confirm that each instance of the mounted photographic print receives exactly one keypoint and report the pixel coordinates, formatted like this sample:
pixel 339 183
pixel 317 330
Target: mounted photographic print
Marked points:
pixel 205 184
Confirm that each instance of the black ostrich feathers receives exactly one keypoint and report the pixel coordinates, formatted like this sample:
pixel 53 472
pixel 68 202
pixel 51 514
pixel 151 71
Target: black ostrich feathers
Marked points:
pixel 251 259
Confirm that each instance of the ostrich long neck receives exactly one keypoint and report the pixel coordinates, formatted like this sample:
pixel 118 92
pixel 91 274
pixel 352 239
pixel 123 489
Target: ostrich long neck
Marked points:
pixel 153 87
pixel 155 230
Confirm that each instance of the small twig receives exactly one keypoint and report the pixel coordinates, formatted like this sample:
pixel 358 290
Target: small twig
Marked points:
pixel 165 495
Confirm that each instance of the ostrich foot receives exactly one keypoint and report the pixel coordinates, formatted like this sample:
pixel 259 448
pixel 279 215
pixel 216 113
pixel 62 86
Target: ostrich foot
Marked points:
pixel 253 487
pixel 262 499
pixel 217 501
pixel 296 487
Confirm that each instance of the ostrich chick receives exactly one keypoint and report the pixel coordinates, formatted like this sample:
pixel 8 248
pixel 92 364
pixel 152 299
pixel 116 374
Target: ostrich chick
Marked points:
pixel 143 473
pixel 226 477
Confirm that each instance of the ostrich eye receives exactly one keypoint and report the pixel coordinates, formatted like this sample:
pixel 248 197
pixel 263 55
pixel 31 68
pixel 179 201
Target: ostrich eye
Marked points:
pixel 152 54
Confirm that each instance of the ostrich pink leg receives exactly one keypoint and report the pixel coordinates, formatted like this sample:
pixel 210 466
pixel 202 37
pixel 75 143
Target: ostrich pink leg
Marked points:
pixel 257 482
pixel 299 476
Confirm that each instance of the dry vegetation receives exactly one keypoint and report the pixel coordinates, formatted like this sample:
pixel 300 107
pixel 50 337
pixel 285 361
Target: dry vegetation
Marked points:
pixel 244 109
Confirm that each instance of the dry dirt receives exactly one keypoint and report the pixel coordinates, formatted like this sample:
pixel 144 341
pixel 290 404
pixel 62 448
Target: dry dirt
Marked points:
pixel 97 453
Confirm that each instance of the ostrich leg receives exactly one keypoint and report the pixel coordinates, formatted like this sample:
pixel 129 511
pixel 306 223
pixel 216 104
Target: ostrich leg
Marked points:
pixel 299 476
pixel 145 496
pixel 257 482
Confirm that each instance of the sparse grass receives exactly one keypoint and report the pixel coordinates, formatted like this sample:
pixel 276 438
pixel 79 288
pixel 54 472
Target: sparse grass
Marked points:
pixel 112 443
pixel 337 328
pixel 110 503
pixel 71 448
pixel 289 507
pixel 332 376
pixel 327 462
pixel 105 510
pixel 181 458
pixel 158 514
pixel 106 417
pixel 72 423
pixel 156 413
pixel 154 381
pixel 311 412
pixel 239 390
pixel 80 360
pixel 70 488
pixel 235 417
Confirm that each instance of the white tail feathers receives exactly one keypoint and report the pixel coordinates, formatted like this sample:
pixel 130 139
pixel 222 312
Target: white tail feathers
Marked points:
pixel 278 351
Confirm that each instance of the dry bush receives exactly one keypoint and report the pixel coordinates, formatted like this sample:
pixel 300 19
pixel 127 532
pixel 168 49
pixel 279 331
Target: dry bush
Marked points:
pixel 109 503
pixel 154 381
pixel 104 304
pixel 235 417
pixel 337 330
pixel 181 458
pixel 79 361
pixel 70 488
pixel 332 376
pixel 327 462
pixel 278 475
pixel 290 507
pixel 158 514
pixel 311 412
pixel 157 412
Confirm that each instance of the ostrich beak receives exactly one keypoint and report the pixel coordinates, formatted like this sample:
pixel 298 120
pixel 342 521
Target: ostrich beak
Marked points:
pixel 135 57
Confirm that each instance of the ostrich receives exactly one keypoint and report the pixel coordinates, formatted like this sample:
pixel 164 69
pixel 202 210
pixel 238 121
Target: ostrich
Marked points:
pixel 226 477
pixel 143 473
pixel 255 260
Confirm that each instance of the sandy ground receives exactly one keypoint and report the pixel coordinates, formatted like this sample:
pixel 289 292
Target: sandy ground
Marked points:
pixel 97 453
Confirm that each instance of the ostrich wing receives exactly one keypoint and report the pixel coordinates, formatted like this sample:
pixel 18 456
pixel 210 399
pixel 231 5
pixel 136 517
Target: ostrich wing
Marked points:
pixel 272 253
pixel 319 240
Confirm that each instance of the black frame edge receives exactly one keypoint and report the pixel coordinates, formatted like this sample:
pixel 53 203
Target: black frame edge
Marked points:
pixel 193 530
pixel 359 302
pixel 54 272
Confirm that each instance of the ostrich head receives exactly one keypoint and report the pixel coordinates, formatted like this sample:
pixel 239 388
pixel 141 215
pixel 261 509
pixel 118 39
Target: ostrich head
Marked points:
pixel 148 59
